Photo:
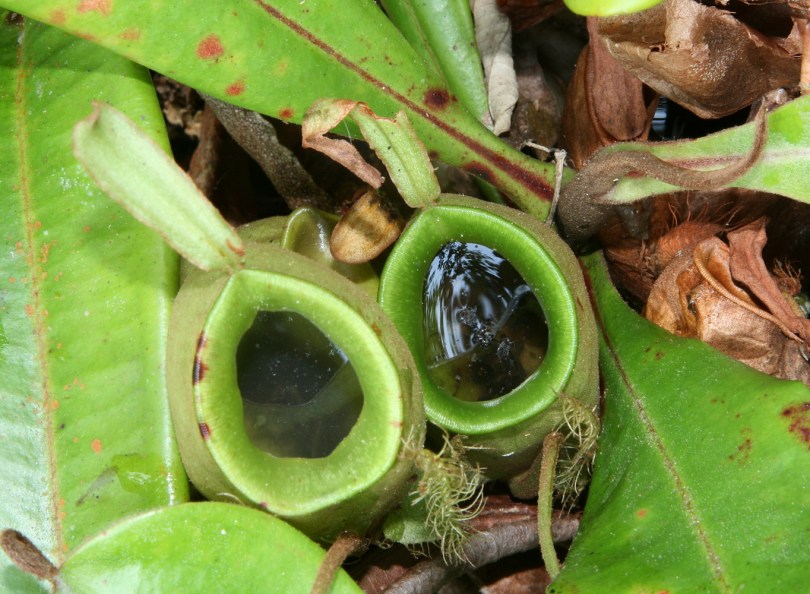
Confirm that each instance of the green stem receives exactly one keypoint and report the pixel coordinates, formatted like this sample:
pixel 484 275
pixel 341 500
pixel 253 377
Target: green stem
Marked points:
pixel 551 450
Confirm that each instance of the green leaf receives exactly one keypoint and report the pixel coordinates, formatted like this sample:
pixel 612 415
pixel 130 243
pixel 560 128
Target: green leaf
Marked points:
pixel 701 481
pixel 442 33
pixel 278 58
pixel 135 172
pixel 603 8
pixel 782 168
pixel 199 547
pixel 85 292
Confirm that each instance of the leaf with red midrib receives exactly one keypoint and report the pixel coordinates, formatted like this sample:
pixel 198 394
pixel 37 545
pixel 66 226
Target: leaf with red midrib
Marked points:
pixel 278 58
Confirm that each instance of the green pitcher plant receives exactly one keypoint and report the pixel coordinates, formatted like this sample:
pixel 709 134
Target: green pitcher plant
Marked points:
pixel 493 306
pixel 290 389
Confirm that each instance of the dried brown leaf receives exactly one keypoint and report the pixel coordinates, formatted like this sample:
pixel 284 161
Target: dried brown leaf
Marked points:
pixel 314 128
pixel 748 268
pixel 701 56
pixel 604 104
pixel 365 230
pixel 696 297
pixel 493 35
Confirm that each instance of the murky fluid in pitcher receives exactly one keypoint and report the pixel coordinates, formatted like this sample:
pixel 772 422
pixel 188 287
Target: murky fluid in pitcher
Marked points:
pixel 301 395
pixel 485 332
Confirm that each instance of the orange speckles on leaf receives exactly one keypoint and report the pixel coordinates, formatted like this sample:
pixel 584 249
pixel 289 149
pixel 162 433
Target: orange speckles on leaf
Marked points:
pixel 642 513
pixel 86 229
pixel 11 279
pixel 46 251
pixel 54 404
pixel 37 224
pixel 102 6
pixel 96 445
pixel 29 309
pixel 286 113
pixel 57 17
pixel 210 48
pixel 235 89
pixel 131 34
pixel 75 440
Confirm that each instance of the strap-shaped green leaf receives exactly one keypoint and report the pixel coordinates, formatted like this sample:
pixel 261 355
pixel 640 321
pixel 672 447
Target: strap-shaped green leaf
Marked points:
pixel 141 177
pixel 442 32
pixel 85 292
pixel 700 482
pixel 279 57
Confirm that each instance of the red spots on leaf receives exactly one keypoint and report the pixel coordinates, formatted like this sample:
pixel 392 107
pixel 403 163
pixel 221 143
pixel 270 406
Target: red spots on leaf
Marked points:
pixel 235 89
pixel 436 98
pixel 57 17
pixel 286 113
pixel 101 6
pixel 376 328
pixel 481 171
pixel 210 48
pixel 642 513
pixel 131 34
pixel 198 373
pixel 798 415
pixel 205 430
pixel 96 445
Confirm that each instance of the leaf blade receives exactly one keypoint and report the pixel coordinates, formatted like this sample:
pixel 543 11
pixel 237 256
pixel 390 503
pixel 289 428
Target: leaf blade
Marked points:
pixel 83 321
pixel 697 484
pixel 259 55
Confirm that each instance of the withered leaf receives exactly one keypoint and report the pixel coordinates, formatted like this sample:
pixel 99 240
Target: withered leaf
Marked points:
pixel 365 230
pixel 748 268
pixel 701 56
pixel 604 103
pixel 696 297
